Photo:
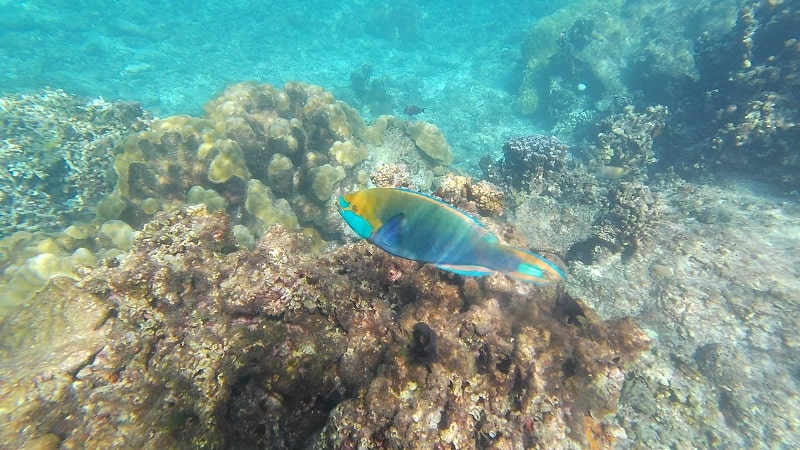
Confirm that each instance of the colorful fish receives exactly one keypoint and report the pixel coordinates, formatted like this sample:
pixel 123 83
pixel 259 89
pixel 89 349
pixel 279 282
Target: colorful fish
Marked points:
pixel 416 226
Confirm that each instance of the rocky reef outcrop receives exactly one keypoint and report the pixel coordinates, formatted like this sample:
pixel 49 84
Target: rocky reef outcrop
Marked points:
pixel 188 340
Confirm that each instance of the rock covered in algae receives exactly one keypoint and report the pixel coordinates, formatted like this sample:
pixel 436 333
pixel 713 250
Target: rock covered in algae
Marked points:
pixel 188 341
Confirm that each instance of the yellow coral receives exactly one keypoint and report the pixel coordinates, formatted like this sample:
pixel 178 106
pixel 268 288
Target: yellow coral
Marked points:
pixel 324 179
pixel 337 122
pixel 348 153
pixel 32 276
pixel 120 233
pixel 280 173
pixel 429 138
pixel 259 203
pixel 150 205
pixel 112 206
pixel 281 135
pixel 228 163
pixel 131 153
pixel 210 197
pixel 373 133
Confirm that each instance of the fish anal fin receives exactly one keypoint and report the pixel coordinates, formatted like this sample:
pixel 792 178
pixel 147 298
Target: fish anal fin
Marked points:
pixel 468 271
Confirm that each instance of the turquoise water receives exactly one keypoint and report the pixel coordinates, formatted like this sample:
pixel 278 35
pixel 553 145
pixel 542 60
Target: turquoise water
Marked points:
pixel 647 148
pixel 460 62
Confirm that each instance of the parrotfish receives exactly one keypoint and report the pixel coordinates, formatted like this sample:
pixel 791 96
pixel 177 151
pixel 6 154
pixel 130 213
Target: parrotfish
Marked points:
pixel 419 227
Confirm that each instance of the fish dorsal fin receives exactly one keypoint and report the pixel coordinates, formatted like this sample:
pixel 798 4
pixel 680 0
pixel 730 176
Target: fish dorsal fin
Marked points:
pixel 389 235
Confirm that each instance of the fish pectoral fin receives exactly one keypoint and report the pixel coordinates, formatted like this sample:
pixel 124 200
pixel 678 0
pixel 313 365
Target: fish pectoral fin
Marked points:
pixel 469 271
pixel 389 235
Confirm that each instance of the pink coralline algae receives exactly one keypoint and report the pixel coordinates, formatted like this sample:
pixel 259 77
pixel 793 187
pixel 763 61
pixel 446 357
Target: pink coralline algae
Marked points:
pixel 189 341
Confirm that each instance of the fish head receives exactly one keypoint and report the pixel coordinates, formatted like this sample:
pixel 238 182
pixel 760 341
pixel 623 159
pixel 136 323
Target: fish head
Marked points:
pixel 356 211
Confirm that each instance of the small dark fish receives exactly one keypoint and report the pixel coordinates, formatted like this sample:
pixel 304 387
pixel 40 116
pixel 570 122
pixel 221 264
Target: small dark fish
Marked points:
pixel 413 110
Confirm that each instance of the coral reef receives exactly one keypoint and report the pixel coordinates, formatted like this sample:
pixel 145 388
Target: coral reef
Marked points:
pixel 602 53
pixel 314 145
pixel 266 155
pixel 429 138
pixel 482 197
pixel 187 341
pixel 391 175
pixel 488 198
pixel 626 139
pixel 533 159
pixel 633 207
pixel 540 165
pixel 55 156
pixel 750 77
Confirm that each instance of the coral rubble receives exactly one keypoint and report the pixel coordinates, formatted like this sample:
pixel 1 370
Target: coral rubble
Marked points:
pixel 55 157
pixel 188 341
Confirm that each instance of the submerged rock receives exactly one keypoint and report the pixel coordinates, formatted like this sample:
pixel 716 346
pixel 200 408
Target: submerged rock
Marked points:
pixel 188 342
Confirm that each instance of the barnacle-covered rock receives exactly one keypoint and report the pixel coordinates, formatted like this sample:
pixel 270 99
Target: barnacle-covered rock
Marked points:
pixel 487 197
pixel 391 175
pixel 188 340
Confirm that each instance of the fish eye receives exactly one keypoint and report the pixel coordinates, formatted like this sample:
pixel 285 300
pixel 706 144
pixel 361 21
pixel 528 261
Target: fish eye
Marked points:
pixel 354 208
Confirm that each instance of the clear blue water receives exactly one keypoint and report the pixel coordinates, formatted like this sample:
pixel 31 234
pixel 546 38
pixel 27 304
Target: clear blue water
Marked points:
pixel 463 62
pixel 460 61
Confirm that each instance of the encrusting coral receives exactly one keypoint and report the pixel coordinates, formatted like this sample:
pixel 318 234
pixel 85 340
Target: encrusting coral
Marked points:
pixel 188 340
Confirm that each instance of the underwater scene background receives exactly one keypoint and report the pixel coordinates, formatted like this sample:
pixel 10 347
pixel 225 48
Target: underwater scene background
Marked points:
pixel 174 272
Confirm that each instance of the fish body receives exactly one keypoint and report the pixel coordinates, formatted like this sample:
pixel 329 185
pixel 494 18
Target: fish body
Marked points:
pixel 413 110
pixel 416 226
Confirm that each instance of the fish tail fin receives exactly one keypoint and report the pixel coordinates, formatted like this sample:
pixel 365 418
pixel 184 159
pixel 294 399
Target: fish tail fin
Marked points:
pixel 532 267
